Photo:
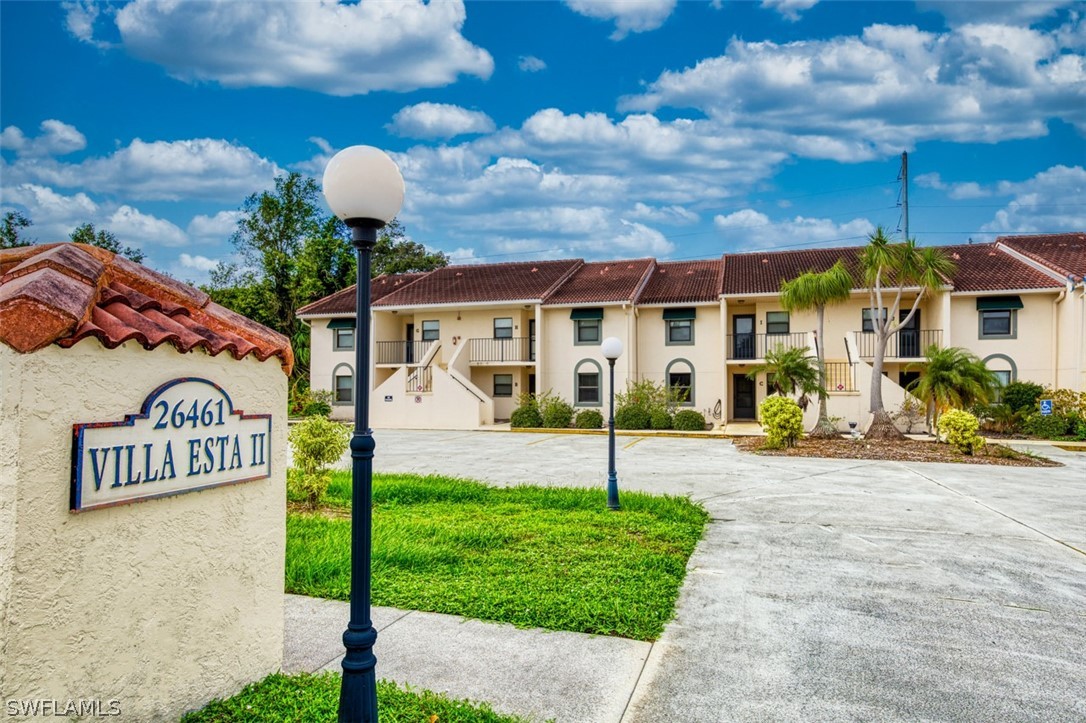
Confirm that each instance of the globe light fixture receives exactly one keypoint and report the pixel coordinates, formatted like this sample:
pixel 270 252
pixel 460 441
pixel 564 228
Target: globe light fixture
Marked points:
pixel 612 350
pixel 364 188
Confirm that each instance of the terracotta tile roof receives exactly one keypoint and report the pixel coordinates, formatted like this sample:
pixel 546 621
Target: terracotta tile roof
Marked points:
pixel 603 282
pixel 1064 253
pixel 64 293
pixel 762 272
pixel 983 267
pixel 684 282
pixel 484 282
pixel 342 302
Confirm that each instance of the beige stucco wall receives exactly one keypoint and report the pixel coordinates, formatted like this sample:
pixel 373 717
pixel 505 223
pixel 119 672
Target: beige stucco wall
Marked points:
pixel 1070 333
pixel 324 361
pixel 448 406
pixel 563 356
pixel 654 354
pixel 162 604
pixel 1031 350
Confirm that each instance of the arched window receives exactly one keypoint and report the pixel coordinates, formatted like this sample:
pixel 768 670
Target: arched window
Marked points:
pixel 588 384
pixel 679 378
pixel 343 384
pixel 1003 367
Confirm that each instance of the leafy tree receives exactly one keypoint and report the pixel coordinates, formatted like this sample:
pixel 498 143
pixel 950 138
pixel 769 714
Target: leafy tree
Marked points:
pixel 791 371
pixel 86 234
pixel 327 261
pixel 814 290
pixel 394 253
pixel 10 230
pixel 891 268
pixel 952 377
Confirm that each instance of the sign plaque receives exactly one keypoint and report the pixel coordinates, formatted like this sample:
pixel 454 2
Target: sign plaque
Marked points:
pixel 186 437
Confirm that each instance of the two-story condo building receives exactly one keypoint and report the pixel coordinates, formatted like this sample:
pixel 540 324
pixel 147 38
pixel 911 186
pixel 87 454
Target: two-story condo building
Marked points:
pixel 455 347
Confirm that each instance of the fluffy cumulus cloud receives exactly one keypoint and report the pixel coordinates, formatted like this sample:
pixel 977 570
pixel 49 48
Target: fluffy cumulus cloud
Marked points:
pixel 957 191
pixel 157 170
pixel 198 263
pixel 750 229
pixel 530 64
pixel 1050 202
pixel 790 9
pixel 630 16
pixel 439 120
pixel 211 229
pixel 325 46
pixel 140 229
pixel 864 97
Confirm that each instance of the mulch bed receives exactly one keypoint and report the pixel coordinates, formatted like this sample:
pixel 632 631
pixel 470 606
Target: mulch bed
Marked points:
pixel 907 450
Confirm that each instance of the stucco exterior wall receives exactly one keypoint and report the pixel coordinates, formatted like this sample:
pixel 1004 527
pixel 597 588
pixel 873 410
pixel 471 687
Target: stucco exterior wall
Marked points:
pixel 655 356
pixel 448 406
pixel 563 356
pixel 1032 348
pixel 1070 332
pixel 162 604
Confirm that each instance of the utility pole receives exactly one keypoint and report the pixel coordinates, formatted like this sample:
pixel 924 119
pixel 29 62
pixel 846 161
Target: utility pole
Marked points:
pixel 905 192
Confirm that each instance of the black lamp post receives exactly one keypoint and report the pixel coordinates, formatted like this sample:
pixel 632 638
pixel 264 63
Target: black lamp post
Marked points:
pixel 612 350
pixel 363 187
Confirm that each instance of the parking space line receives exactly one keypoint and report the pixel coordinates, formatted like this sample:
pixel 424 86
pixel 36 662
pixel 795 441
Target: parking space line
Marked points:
pixel 639 439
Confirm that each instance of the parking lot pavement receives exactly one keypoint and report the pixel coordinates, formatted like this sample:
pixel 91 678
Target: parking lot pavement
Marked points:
pixel 837 589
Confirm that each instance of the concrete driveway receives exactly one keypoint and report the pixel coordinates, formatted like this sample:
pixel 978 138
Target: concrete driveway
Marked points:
pixel 836 589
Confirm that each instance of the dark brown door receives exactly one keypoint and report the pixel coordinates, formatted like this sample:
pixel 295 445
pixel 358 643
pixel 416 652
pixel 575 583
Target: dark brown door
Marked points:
pixel 742 397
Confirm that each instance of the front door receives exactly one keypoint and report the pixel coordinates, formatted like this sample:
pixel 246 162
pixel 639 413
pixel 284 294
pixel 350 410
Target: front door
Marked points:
pixel 531 341
pixel 409 346
pixel 742 397
pixel 743 336
pixel 531 384
pixel 908 339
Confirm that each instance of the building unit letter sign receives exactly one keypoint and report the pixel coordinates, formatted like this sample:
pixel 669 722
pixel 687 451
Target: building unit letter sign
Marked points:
pixel 187 437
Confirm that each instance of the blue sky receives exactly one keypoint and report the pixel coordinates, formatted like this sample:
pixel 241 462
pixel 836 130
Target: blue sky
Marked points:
pixel 598 129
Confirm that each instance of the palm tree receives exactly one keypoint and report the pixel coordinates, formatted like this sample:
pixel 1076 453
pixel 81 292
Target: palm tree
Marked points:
pixel 892 268
pixel 952 377
pixel 790 371
pixel 814 290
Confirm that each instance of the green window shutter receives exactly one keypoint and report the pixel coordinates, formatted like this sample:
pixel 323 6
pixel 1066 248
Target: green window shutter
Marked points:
pixel 680 314
pixel 341 324
pixel 998 303
pixel 586 314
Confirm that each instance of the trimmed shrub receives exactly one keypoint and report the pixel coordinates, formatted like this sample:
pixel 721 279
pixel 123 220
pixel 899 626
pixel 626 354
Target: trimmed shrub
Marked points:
pixel 687 420
pixel 526 416
pixel 1021 395
pixel 960 429
pixel 782 420
pixel 632 417
pixel 588 419
pixel 660 419
pixel 1047 426
pixel 557 413
pixel 316 443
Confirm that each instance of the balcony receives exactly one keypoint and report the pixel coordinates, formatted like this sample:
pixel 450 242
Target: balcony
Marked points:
pixel 839 377
pixel 398 353
pixel 514 350
pixel 751 347
pixel 906 344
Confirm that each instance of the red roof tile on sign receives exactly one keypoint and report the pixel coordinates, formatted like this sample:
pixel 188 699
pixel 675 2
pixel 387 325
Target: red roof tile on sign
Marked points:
pixel 1064 253
pixel 64 293
pixel 485 282
pixel 762 272
pixel 684 282
pixel 983 267
pixel 603 282
pixel 343 301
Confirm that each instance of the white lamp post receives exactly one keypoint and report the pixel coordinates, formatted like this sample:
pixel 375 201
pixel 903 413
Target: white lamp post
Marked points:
pixel 363 186
pixel 612 350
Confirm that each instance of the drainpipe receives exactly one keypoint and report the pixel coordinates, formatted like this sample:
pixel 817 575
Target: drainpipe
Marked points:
pixel 1056 333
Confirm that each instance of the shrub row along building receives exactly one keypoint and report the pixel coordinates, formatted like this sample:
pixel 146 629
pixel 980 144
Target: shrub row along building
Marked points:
pixel 455 347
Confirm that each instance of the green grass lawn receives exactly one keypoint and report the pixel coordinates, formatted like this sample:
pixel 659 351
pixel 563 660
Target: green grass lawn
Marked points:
pixel 553 558
pixel 308 698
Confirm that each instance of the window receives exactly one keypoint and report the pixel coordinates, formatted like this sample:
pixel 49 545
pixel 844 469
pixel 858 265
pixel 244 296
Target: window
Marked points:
pixel 586 381
pixel 431 330
pixel 503 328
pixel 998 324
pixel 503 385
pixel 344 389
pixel 868 316
pixel 587 331
pixel 680 331
pixel 681 385
pixel 343 339
pixel 1004 377
pixel 776 322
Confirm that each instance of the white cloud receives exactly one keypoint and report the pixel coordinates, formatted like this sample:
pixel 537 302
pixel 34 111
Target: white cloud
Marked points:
pixel 199 263
pixel 957 191
pixel 662 214
pixel 438 120
pixel 210 229
pixel 325 46
pixel 157 170
pixel 860 98
pixel 143 230
pixel 753 229
pixel 789 9
pixel 630 16
pixel 1010 13
pixel 56 139
pixel 1050 202
pixel 530 64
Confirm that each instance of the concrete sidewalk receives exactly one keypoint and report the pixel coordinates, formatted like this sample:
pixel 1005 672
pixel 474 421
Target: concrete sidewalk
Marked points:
pixel 822 590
